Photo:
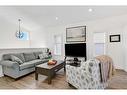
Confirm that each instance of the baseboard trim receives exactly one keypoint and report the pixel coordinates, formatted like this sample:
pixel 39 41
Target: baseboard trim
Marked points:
pixel 1 75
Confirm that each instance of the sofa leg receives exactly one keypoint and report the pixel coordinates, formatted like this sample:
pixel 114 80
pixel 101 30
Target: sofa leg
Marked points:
pixel 11 77
pixel 16 79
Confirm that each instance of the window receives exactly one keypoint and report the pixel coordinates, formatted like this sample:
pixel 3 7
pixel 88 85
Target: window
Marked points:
pixel 99 43
pixel 25 36
pixel 57 44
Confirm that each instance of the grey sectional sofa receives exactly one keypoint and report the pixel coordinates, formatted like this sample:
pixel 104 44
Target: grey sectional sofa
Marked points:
pixel 16 70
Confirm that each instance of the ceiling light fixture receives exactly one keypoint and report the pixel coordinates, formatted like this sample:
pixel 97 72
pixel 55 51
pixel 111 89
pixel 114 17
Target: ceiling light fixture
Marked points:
pixel 19 34
pixel 90 10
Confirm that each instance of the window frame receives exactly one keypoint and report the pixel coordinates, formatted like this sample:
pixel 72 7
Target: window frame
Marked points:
pixel 58 43
pixel 94 43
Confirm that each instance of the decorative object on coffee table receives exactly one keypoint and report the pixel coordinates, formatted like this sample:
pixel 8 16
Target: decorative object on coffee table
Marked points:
pixel 49 70
pixel 52 62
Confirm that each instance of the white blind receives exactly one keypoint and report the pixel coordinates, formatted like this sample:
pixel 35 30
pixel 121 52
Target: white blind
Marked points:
pixel 99 48
pixel 58 45
pixel 99 43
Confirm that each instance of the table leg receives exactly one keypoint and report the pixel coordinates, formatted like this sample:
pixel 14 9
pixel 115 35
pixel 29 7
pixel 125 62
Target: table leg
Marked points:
pixel 50 75
pixel 36 76
pixel 49 79
pixel 64 69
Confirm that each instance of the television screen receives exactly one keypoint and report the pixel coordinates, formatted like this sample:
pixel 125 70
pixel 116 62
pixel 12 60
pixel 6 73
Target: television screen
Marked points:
pixel 75 50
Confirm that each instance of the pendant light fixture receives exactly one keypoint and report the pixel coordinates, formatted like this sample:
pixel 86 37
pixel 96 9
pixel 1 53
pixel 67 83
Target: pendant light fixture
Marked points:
pixel 19 34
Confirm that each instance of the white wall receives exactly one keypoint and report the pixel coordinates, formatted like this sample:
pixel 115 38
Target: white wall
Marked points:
pixel 1 72
pixel 9 41
pixel 112 25
pixel 125 47
pixel 38 38
pixel 7 36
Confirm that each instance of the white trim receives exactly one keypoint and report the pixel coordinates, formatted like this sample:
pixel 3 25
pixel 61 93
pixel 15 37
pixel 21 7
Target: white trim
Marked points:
pixel 1 71
pixel 105 44
pixel 61 43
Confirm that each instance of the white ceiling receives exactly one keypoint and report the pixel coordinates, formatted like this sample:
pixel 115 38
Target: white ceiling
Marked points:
pixel 45 15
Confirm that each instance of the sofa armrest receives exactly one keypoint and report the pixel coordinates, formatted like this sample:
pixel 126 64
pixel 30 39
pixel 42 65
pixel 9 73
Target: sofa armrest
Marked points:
pixel 10 64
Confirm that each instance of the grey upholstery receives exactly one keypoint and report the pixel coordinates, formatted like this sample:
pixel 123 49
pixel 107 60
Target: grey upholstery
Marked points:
pixel 10 64
pixel 37 54
pixel 37 61
pixel 29 56
pixel 16 59
pixel 19 55
pixel 16 70
pixel 7 56
pixel 26 65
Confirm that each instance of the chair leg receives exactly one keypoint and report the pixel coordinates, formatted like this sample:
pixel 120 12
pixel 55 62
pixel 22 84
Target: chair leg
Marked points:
pixel 69 84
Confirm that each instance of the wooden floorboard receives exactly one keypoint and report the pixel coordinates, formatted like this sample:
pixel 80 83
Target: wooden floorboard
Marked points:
pixel 119 81
pixel 29 82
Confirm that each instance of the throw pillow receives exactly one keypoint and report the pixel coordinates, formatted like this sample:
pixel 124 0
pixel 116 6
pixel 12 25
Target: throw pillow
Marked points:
pixel 41 56
pixel 16 59
pixel 20 56
pixel 46 55
pixel 37 54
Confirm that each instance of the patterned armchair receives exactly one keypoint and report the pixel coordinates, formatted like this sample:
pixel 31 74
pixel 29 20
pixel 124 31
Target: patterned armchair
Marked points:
pixel 87 76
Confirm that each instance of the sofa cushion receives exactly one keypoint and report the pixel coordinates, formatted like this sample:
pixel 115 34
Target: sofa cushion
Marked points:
pixel 37 54
pixel 41 61
pixel 37 61
pixel 45 60
pixel 29 56
pixel 30 64
pixel 6 57
pixel 41 56
pixel 26 65
pixel 16 59
pixel 45 54
pixel 19 55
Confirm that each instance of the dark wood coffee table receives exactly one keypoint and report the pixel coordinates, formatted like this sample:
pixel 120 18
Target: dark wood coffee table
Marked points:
pixel 49 70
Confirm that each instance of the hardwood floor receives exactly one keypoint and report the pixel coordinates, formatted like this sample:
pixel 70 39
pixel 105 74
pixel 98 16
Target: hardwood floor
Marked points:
pixel 119 81
pixel 29 82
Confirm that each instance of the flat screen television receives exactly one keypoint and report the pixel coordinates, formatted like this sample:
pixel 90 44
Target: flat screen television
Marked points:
pixel 75 50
